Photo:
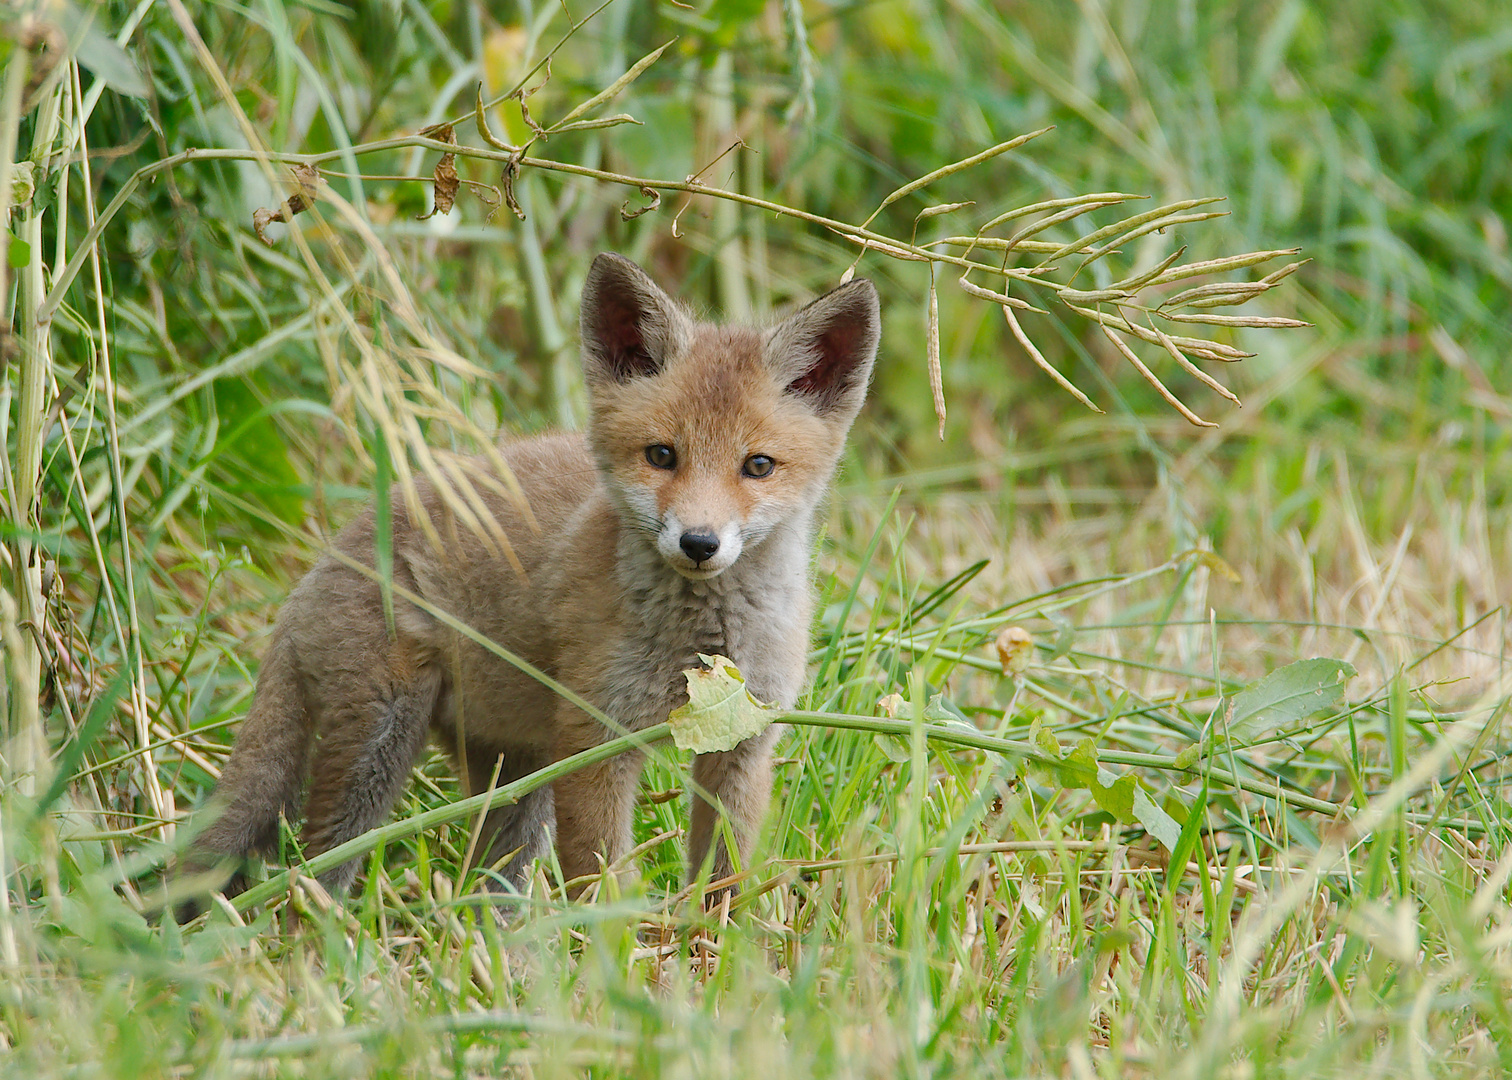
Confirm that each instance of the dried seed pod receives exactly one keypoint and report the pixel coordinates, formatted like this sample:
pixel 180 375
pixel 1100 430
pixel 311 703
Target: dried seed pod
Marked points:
pixel 1015 646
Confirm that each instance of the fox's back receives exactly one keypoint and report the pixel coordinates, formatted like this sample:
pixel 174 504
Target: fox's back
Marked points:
pixel 509 595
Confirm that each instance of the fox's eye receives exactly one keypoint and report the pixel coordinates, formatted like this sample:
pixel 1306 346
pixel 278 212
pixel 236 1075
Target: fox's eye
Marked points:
pixel 758 465
pixel 662 456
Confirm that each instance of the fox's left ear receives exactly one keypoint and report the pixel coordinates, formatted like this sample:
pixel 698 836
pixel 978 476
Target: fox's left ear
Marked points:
pixel 826 349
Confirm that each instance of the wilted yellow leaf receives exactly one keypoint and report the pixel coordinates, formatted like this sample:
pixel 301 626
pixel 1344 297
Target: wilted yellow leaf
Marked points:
pixel 720 713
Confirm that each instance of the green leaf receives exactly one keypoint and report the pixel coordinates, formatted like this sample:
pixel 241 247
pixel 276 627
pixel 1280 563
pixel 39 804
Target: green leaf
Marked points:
pixel 1079 769
pixel 1159 824
pixel 1287 696
pixel 1117 794
pixel 111 63
pixel 1121 796
pixel 893 748
pixel 720 712
pixel 23 183
pixel 17 251
pixel 941 710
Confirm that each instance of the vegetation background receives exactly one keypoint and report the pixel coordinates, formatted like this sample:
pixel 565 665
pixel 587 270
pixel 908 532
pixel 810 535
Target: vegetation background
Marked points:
pixel 188 411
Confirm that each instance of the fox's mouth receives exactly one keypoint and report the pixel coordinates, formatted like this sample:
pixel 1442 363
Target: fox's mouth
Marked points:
pixel 697 571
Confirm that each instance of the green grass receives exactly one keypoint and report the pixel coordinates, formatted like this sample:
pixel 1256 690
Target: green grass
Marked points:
pixel 204 409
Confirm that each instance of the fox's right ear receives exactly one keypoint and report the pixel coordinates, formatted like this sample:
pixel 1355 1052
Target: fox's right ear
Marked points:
pixel 629 326
pixel 824 352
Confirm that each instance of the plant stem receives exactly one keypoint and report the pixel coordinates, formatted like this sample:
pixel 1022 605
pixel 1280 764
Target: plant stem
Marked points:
pixel 441 815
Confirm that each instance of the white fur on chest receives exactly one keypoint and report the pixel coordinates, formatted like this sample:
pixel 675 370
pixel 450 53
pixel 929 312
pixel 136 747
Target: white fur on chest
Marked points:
pixel 757 613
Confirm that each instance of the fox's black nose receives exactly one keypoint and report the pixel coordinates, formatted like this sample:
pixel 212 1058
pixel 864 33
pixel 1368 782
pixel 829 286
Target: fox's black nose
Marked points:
pixel 699 546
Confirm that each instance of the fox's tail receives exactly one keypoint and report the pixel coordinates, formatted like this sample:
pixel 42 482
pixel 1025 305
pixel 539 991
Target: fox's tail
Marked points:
pixel 262 780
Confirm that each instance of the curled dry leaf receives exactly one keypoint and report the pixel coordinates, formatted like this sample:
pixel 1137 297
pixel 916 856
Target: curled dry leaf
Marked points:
pixel 892 705
pixel 507 182
pixel 627 214
pixel 446 172
pixel 1014 646
pixel 307 180
pixel 535 129
pixel 491 197
pixel 524 92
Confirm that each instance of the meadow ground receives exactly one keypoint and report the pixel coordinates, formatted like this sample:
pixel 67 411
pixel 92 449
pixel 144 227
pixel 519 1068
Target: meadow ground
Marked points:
pixel 1161 846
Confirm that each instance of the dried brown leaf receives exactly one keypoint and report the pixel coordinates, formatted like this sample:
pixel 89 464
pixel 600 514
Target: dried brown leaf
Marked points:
pixel 307 181
pixel 627 214
pixel 445 176
pixel 507 182
pixel 446 186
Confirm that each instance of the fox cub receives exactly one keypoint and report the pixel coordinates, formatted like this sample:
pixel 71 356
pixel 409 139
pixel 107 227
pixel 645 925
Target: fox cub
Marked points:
pixel 680 524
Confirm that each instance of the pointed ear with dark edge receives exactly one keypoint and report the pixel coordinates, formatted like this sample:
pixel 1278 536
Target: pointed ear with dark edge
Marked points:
pixel 826 349
pixel 629 326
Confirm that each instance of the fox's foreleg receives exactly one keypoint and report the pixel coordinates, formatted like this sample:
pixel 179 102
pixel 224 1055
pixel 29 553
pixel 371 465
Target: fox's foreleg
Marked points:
pixel 595 806
pixel 739 782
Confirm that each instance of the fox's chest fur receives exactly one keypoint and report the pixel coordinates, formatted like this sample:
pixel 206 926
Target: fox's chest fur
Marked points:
pixel 756 614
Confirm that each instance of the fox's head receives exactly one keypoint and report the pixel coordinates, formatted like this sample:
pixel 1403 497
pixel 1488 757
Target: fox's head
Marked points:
pixel 709 437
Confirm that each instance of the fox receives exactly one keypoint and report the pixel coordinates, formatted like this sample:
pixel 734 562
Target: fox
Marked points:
pixel 682 522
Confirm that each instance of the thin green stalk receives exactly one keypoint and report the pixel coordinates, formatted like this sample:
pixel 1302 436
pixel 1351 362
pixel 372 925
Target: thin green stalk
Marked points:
pixel 441 815
pixel 28 756
pixel 958 736
pixel 132 646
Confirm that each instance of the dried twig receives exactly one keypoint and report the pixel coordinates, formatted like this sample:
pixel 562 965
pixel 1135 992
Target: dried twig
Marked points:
pixel 1123 296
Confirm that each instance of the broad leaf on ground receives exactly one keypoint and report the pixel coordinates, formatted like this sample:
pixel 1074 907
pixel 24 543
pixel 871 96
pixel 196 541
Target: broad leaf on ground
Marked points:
pixel 1285 697
pixel 1120 796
